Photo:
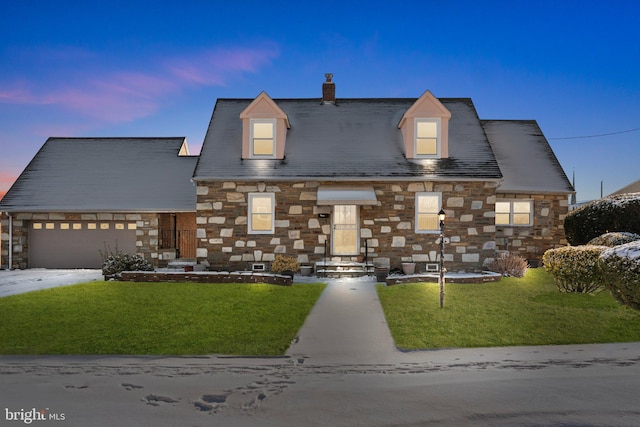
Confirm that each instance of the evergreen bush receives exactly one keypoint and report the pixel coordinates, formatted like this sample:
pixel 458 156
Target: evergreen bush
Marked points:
pixel 575 268
pixel 284 263
pixel 614 239
pixel 115 262
pixel 613 213
pixel 621 266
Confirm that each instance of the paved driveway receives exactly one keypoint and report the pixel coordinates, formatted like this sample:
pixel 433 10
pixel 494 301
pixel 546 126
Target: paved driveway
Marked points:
pixel 20 281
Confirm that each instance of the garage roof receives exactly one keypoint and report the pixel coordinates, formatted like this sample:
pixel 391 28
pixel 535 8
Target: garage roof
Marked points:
pixel 106 175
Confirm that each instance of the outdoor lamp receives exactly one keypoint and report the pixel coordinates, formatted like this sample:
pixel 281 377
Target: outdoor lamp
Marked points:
pixel 441 217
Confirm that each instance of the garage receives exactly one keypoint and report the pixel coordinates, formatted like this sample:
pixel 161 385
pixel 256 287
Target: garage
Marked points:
pixel 77 244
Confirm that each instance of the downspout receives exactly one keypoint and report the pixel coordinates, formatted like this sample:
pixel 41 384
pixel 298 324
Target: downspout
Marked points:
pixel 10 241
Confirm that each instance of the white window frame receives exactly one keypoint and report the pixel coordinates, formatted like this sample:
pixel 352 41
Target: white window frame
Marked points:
pixel 252 122
pixel 250 213
pixel 438 123
pixel 511 212
pixel 418 213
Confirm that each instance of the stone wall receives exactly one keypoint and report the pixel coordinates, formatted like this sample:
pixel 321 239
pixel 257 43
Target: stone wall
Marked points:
pixel 223 241
pixel 547 230
pixel 146 233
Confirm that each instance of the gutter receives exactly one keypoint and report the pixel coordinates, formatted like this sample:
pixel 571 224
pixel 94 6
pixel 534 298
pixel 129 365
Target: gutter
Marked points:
pixel 10 241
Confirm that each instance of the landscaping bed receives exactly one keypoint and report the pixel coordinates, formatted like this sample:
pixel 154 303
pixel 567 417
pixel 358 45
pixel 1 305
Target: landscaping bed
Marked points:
pixel 205 277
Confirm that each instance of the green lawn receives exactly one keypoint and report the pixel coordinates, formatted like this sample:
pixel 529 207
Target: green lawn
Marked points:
pixel 155 318
pixel 527 311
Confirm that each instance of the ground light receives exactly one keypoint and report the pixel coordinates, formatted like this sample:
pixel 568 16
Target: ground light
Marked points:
pixel 441 217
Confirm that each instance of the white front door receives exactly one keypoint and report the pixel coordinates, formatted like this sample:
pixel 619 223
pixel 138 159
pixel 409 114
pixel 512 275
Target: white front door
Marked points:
pixel 345 230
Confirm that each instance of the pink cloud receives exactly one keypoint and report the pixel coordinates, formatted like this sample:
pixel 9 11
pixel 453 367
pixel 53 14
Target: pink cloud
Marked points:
pixel 6 180
pixel 214 68
pixel 128 95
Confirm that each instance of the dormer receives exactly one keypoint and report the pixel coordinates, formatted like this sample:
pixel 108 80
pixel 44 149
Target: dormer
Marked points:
pixel 425 129
pixel 264 129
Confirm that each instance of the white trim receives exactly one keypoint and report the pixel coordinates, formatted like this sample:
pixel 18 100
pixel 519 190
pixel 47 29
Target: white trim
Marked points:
pixel 251 139
pixel 418 195
pixel 511 213
pixel 438 122
pixel 251 196
pixel 333 231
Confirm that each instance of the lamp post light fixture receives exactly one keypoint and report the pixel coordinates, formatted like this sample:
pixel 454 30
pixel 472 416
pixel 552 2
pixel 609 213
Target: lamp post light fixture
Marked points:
pixel 441 216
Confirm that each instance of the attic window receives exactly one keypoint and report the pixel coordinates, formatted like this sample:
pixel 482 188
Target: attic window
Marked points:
pixel 263 138
pixel 427 137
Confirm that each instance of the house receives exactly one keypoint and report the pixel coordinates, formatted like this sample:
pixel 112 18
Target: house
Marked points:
pixel 634 187
pixel 330 178
pixel 80 196
pixel 319 179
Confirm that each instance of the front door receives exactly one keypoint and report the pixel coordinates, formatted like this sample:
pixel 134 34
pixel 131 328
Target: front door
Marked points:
pixel 345 230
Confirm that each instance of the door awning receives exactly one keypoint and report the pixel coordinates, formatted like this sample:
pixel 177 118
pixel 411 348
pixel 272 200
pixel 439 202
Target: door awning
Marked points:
pixel 346 195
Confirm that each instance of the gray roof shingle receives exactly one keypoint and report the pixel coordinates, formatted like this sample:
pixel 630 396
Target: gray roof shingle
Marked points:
pixel 525 158
pixel 105 174
pixel 357 139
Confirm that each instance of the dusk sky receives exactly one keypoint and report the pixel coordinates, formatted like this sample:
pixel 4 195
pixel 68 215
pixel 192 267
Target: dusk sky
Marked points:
pixel 110 68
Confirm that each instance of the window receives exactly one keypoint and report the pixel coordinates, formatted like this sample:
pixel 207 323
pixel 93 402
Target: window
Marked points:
pixel 427 141
pixel 261 213
pixel 263 138
pixel 427 207
pixel 514 212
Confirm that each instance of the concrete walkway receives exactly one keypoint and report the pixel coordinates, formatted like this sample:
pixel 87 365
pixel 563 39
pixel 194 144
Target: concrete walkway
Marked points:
pixel 347 325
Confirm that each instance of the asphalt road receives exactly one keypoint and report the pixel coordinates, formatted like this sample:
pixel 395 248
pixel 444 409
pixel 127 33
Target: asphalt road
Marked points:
pixel 565 386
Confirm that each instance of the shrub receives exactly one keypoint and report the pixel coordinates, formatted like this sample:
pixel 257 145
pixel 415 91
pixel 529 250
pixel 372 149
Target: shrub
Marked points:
pixel 614 239
pixel 114 263
pixel 575 268
pixel 621 266
pixel 509 265
pixel 284 263
pixel 613 213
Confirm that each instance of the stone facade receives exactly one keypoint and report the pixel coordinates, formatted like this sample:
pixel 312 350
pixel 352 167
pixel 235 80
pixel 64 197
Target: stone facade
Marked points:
pixel 546 232
pixel 146 234
pixel 388 227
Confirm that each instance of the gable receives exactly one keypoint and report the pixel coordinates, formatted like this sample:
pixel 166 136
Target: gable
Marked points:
pixel 263 111
pixel 428 110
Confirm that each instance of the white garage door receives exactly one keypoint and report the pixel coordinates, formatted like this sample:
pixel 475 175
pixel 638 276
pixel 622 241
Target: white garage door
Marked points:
pixel 77 244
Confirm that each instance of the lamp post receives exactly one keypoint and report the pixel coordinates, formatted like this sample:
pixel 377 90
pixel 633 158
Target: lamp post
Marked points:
pixel 441 217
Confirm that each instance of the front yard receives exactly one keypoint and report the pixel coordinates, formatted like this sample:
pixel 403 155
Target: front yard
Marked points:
pixel 527 311
pixel 155 318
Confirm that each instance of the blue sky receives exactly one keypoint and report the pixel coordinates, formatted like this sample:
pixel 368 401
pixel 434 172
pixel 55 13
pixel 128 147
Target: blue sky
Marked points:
pixel 110 68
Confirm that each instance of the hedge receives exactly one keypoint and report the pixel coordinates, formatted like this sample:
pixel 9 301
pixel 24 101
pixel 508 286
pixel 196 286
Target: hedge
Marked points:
pixel 575 268
pixel 613 213
pixel 621 266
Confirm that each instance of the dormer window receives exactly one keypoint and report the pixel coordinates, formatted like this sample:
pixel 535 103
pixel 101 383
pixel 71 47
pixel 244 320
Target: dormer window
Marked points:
pixel 263 138
pixel 425 129
pixel 427 137
pixel 264 129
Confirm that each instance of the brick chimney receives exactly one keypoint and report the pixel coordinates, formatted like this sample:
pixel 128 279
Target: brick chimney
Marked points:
pixel 328 90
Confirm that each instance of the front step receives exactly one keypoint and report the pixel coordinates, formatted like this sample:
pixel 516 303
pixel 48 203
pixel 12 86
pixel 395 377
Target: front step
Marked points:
pixel 337 269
